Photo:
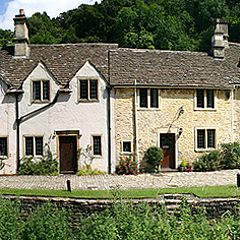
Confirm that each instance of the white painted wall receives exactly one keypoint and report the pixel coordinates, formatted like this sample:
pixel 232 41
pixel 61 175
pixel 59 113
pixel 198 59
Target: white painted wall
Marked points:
pixel 67 114
pixel 7 128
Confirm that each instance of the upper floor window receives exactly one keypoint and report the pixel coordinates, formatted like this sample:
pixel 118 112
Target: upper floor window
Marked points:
pixel 205 139
pixel 148 98
pixel 40 91
pixel 89 89
pixel 34 146
pixel 205 98
pixel 3 146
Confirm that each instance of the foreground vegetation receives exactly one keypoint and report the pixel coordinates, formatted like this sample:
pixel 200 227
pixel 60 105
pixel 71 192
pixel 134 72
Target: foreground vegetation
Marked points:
pixel 122 221
pixel 204 192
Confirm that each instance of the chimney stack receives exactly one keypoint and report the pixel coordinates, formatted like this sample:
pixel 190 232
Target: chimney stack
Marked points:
pixel 21 35
pixel 220 39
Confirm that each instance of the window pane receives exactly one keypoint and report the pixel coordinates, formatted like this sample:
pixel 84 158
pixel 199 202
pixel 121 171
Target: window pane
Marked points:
pixel 3 146
pixel 84 89
pixel 29 145
pixel 126 146
pixel 97 149
pixel 143 98
pixel 154 98
pixel 93 89
pixel 201 138
pixel 210 98
pixel 45 90
pixel 36 90
pixel 200 98
pixel 211 138
pixel 38 145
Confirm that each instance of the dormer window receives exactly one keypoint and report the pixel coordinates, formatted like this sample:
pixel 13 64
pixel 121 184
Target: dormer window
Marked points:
pixel 205 99
pixel 40 91
pixel 88 90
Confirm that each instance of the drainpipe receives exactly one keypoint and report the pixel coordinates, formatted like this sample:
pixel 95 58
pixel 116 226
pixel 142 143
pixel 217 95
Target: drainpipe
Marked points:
pixel 17 131
pixel 109 128
pixel 136 150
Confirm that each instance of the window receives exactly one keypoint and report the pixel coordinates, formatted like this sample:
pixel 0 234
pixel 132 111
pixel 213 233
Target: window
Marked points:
pixel 126 147
pixel 3 146
pixel 89 90
pixel 41 91
pixel 205 99
pixel 149 98
pixel 97 145
pixel 206 139
pixel 34 146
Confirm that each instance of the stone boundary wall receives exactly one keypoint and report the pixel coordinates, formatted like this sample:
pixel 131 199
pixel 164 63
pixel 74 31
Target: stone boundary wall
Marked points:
pixel 215 207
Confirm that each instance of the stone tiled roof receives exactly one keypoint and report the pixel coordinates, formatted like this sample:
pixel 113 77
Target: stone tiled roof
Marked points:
pixel 63 61
pixel 174 68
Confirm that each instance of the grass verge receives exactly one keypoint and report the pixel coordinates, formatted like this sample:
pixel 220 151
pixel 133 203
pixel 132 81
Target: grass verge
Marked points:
pixel 204 192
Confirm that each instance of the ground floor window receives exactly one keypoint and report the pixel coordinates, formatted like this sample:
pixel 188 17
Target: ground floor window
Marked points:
pixel 126 147
pixel 3 146
pixel 205 138
pixel 97 145
pixel 33 146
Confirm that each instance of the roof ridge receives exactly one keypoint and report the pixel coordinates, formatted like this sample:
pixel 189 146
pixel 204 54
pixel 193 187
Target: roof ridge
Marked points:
pixel 73 44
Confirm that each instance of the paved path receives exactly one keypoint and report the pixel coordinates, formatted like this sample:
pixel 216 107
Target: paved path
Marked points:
pixel 161 180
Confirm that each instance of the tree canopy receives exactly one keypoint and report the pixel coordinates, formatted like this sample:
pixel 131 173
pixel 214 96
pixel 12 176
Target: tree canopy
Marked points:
pixel 154 24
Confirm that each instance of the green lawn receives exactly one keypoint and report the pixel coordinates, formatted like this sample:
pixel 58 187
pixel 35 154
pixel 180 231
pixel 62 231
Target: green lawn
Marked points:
pixel 218 191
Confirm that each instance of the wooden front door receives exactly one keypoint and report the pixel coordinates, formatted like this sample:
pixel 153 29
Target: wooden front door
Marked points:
pixel 167 143
pixel 68 154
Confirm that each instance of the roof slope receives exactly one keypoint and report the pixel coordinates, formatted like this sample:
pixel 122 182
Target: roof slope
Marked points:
pixel 174 68
pixel 63 61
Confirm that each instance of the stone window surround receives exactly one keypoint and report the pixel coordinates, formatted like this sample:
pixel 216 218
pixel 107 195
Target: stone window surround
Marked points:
pixel 5 136
pixel 206 149
pixel 34 145
pixel 131 146
pixel 41 83
pixel 101 145
pixel 148 108
pixel 89 78
pixel 205 101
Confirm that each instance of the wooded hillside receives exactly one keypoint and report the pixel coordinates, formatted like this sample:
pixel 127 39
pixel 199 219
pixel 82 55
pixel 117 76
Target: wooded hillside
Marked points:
pixel 159 24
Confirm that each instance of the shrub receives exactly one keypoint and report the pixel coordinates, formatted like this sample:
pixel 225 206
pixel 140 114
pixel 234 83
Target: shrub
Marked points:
pixel 208 162
pixel 153 158
pixel 47 222
pixel 47 165
pixel 127 165
pixel 87 170
pixel 230 155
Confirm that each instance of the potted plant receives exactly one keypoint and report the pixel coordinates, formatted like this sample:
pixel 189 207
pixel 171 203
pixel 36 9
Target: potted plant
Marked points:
pixel 182 166
pixel 189 167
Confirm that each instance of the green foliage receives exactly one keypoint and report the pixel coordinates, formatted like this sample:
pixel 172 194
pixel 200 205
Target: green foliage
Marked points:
pixel 153 158
pixel 230 155
pixel 47 222
pixel 6 37
pixel 87 170
pixel 47 165
pixel 127 165
pixel 208 162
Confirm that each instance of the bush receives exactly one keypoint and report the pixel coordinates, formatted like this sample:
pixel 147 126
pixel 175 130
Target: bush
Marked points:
pixel 47 165
pixel 127 165
pixel 87 170
pixel 47 222
pixel 208 162
pixel 230 155
pixel 153 158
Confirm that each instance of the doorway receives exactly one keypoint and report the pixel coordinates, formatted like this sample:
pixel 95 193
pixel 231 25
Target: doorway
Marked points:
pixel 68 154
pixel 167 144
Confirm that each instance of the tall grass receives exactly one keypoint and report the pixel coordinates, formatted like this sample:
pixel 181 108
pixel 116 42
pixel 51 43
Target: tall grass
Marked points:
pixel 122 221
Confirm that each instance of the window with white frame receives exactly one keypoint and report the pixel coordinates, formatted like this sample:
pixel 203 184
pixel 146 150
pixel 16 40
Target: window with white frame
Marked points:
pixel 205 99
pixel 88 89
pixel 126 147
pixel 40 91
pixel 148 98
pixel 3 146
pixel 33 146
pixel 97 145
pixel 205 138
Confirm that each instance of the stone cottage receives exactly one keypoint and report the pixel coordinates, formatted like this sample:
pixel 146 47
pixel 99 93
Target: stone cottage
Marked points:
pixel 118 101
